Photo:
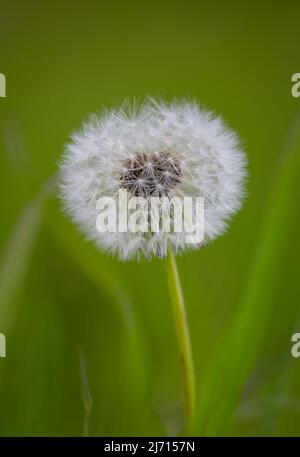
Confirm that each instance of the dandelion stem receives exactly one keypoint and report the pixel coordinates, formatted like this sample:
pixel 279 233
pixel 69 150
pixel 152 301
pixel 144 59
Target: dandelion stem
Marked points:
pixel 184 342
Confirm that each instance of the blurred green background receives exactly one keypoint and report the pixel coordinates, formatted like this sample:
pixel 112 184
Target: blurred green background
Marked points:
pixel 90 341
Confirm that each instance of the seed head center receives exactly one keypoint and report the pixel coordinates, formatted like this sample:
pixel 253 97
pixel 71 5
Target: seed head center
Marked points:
pixel 150 174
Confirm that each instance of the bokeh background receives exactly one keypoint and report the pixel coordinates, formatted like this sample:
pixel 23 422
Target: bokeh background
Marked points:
pixel 90 341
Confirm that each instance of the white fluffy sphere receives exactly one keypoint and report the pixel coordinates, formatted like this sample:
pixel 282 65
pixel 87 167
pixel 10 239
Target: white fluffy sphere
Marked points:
pixel 113 151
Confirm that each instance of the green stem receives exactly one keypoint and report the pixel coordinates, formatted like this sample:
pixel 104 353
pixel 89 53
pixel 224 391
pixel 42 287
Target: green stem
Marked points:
pixel 184 342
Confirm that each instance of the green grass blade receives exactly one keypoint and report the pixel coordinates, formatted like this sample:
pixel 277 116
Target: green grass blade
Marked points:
pixel 85 391
pixel 92 264
pixel 99 270
pixel 226 380
pixel 17 253
pixel 15 259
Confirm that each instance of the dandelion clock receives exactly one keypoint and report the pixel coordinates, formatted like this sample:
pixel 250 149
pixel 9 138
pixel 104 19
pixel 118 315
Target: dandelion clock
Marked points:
pixel 155 181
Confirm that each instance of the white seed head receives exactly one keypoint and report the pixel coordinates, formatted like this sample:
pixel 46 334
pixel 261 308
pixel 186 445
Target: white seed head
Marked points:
pixel 156 150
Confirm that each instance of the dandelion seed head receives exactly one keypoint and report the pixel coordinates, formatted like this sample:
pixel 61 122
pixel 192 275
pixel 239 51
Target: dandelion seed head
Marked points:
pixel 155 150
